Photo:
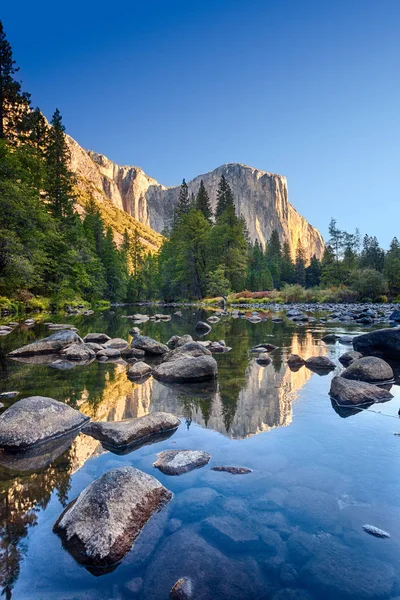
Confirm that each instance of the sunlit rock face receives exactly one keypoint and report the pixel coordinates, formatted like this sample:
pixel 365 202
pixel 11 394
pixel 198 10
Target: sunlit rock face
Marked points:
pixel 261 197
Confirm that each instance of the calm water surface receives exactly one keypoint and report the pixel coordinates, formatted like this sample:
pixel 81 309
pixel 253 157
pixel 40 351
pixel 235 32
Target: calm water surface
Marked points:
pixel 292 529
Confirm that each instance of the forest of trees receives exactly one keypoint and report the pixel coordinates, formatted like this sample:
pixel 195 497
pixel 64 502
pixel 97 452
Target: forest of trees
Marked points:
pixel 48 251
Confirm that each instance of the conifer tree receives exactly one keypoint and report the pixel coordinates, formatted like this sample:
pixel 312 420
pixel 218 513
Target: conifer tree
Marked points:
pixel 225 198
pixel 13 102
pixel 287 267
pixel 313 272
pixel 59 179
pixel 300 264
pixel 183 205
pixel 203 203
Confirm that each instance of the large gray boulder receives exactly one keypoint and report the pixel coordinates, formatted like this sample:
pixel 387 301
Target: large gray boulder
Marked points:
pixel 118 343
pixel 176 462
pixel 99 527
pixel 52 344
pixel 179 340
pixel 37 419
pixel 187 369
pixel 150 346
pixel 122 433
pixel 382 342
pixel 369 368
pixel 98 338
pixel 188 349
pixel 139 370
pixel 78 352
pixel 347 391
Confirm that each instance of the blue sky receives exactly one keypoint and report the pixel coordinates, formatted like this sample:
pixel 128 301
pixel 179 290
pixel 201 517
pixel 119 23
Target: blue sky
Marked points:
pixel 306 88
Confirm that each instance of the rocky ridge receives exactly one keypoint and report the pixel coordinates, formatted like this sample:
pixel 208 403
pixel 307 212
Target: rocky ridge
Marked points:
pixel 261 197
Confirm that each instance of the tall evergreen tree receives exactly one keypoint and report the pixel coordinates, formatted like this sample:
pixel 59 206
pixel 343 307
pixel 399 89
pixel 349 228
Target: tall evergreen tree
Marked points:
pixel 288 274
pixel 183 205
pixel 59 180
pixel 300 264
pixel 203 203
pixel 13 102
pixel 391 267
pixel 313 272
pixel 225 198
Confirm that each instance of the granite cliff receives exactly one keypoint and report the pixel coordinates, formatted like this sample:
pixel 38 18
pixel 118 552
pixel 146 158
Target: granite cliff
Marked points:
pixel 261 197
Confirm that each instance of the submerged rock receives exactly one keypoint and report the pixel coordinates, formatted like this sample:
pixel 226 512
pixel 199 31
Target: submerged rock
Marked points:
pixel 176 462
pixel 203 327
pixel 233 470
pixel 182 590
pixel 139 369
pixel 186 369
pixel 37 419
pixel 347 391
pixel 372 530
pixel 150 346
pixel 264 359
pixel 370 369
pixel 99 527
pixel 122 433
pixel 52 344
pixel 382 342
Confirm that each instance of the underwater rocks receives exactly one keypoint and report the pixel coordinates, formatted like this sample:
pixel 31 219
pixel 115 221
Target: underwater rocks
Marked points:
pixel 123 433
pixel 232 470
pixel 176 462
pixel 182 590
pixel 52 344
pixel 348 391
pixel 99 527
pixel 369 369
pixel 37 419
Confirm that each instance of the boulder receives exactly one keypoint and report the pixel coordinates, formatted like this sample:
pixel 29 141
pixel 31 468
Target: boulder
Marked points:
pixel 176 462
pixel 347 391
pixel 37 419
pixel 218 348
pixel 320 363
pixel 192 349
pixel 348 357
pixel 107 353
pixel 395 316
pixel 382 342
pixel 99 527
pixel 182 590
pixel 294 360
pixel 179 340
pixel 263 359
pixel 139 369
pixel 94 346
pixel 187 368
pixel 254 319
pixel 232 470
pixel 97 338
pixel 203 327
pixel 132 353
pixel 52 344
pixel 233 532
pixel 78 352
pixel 123 433
pixel 369 368
pixel 8 395
pixel 266 347
pixel 150 346
pixel 330 338
pixel 118 343
pixel 134 331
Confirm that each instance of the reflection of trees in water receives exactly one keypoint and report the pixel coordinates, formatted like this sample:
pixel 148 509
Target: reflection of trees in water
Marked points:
pixel 22 497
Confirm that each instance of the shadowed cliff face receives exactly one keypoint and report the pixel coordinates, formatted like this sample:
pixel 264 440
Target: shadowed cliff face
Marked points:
pixel 261 197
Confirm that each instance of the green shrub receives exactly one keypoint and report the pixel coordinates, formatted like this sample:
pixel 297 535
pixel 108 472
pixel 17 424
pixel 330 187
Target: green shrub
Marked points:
pixel 368 284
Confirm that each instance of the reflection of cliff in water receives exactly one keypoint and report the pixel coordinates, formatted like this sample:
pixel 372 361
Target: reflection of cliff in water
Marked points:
pixel 262 403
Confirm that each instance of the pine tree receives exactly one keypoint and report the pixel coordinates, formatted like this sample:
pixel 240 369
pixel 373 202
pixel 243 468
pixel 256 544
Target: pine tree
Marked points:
pixel 225 198
pixel 203 203
pixel 313 272
pixel 391 267
pixel 183 205
pixel 300 264
pixel 59 179
pixel 274 257
pixel 13 102
pixel 288 274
